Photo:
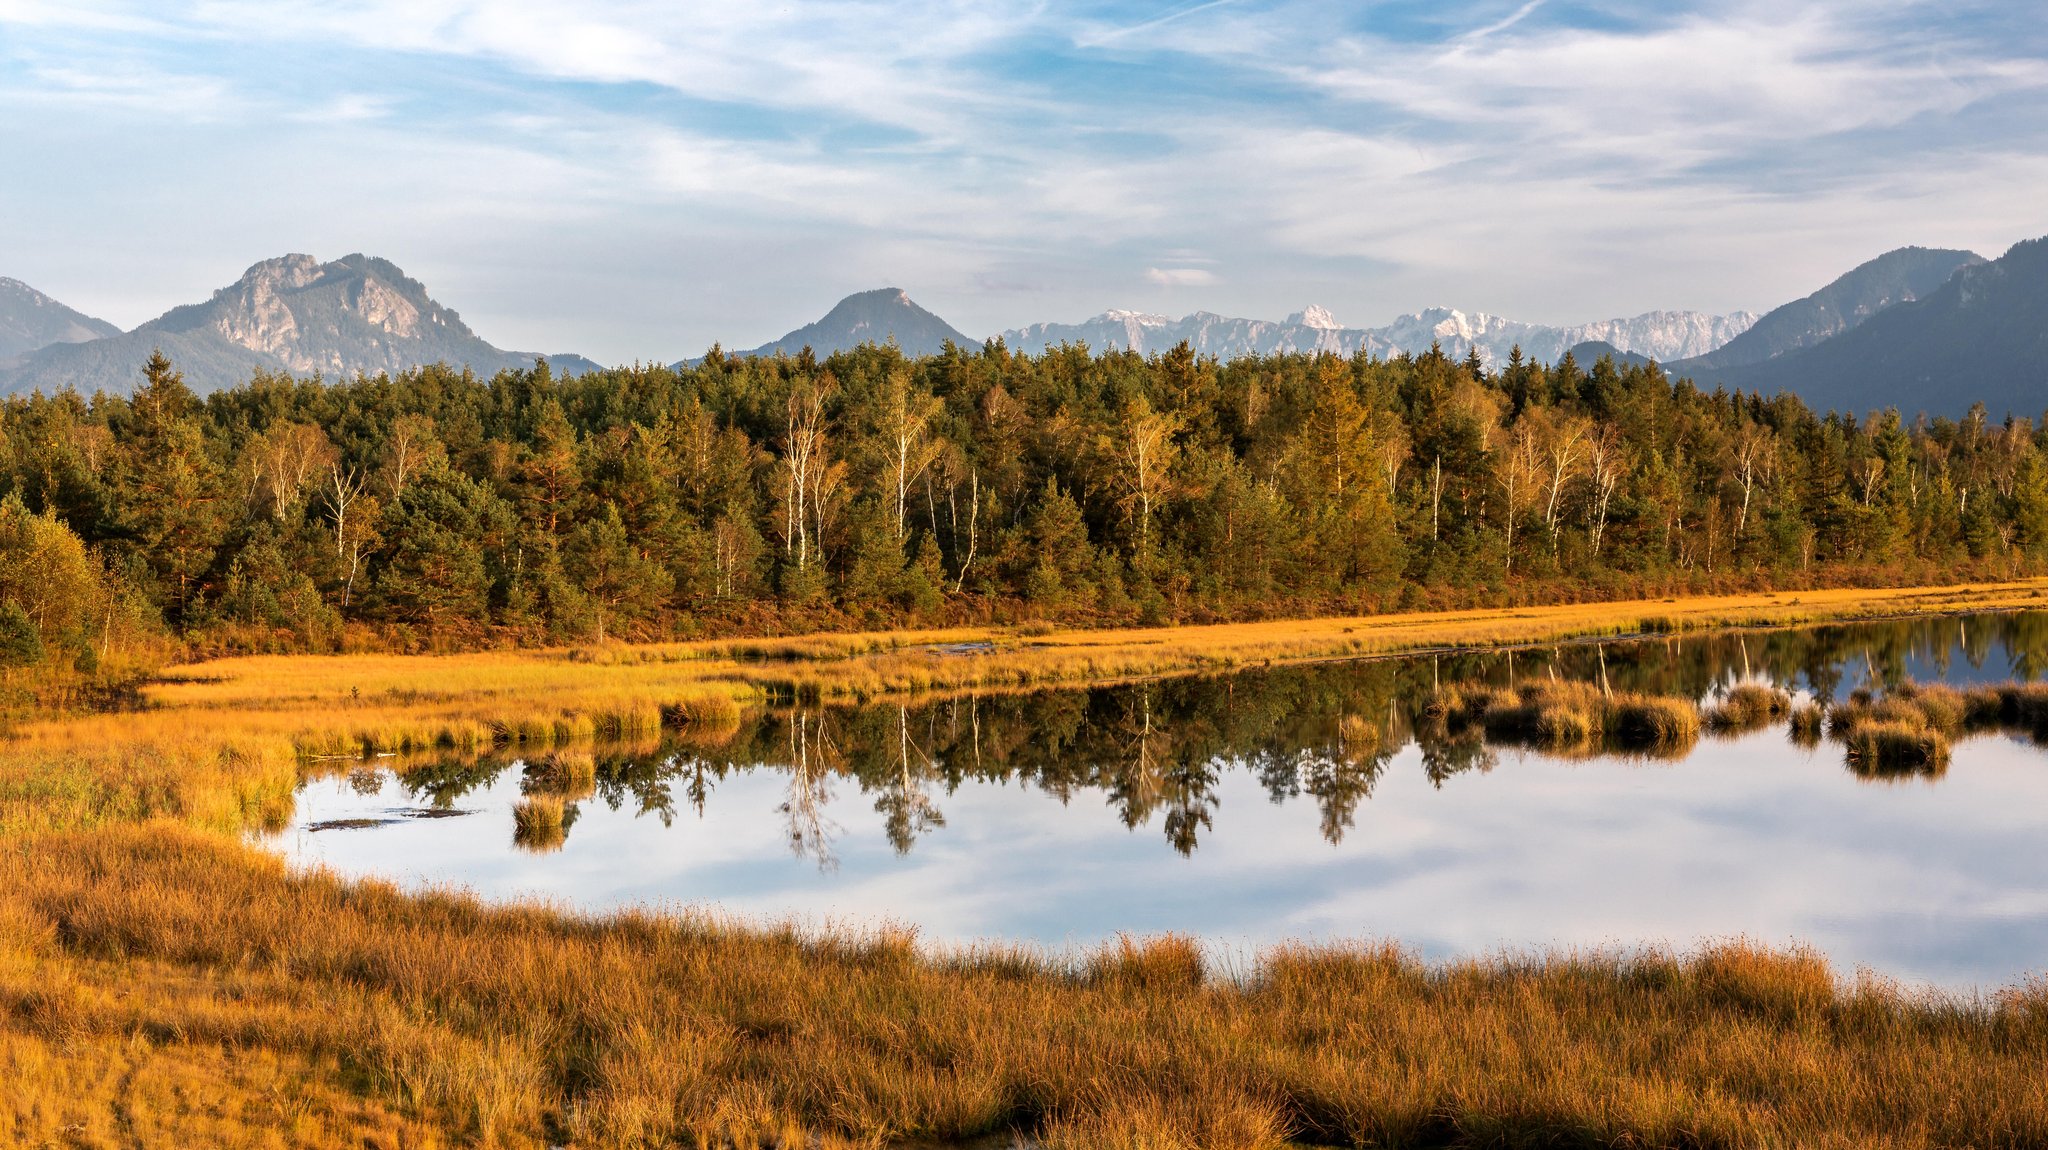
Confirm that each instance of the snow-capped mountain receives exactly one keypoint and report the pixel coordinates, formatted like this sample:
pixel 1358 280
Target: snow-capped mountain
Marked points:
pixel 1660 335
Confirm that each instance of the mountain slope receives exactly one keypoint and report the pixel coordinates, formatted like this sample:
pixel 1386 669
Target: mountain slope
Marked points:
pixel 293 313
pixel 1983 335
pixel 30 320
pixel 871 317
pixel 1895 277
pixel 1660 335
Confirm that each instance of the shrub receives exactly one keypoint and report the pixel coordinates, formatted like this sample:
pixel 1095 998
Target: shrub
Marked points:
pixel 21 641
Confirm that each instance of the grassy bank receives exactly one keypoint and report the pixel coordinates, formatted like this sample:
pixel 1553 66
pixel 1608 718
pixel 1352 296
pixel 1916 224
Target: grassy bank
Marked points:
pixel 146 969
pixel 353 703
pixel 164 983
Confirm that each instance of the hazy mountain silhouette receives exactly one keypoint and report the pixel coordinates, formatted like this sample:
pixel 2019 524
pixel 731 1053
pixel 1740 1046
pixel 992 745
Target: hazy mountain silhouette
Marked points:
pixel 30 320
pixel 1895 277
pixel 1980 336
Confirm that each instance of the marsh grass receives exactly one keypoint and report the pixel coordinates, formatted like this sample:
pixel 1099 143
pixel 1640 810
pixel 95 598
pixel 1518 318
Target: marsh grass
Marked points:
pixel 1748 707
pixel 1806 724
pixel 517 1025
pixel 540 823
pixel 163 983
pixel 1569 718
pixel 564 774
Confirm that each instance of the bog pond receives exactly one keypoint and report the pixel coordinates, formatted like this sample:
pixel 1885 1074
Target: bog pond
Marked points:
pixel 1302 802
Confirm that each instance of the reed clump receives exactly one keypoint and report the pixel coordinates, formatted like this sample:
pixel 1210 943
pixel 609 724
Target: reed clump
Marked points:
pixel 540 823
pixel 565 775
pixel 1748 707
pixel 1567 717
pixel 1892 746
pixel 1806 724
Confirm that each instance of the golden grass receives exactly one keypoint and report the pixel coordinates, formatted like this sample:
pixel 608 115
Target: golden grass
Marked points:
pixel 1748 707
pixel 538 824
pixel 1805 724
pixel 161 983
pixel 1570 718
pixel 518 1026
pixel 349 705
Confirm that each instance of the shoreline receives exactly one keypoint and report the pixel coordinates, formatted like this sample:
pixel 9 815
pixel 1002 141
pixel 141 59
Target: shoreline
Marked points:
pixel 162 975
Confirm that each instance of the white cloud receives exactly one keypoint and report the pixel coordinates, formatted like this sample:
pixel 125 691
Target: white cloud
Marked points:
pixel 716 153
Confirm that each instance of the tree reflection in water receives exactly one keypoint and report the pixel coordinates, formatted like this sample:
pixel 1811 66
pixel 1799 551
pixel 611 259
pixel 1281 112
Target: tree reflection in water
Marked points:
pixel 1157 751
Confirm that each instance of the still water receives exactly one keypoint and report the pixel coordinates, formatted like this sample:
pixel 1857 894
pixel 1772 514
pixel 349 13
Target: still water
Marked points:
pixel 1297 803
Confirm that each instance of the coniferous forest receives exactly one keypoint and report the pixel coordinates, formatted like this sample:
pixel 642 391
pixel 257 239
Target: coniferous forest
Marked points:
pixel 438 509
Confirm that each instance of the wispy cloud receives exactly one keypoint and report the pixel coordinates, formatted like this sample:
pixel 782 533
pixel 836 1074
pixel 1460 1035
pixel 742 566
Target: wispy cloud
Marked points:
pixel 1552 161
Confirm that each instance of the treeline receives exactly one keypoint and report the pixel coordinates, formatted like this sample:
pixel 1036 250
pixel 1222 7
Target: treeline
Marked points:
pixel 437 508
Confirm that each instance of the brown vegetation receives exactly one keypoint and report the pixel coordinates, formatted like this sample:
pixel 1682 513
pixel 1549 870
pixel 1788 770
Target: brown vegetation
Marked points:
pixel 317 1012
pixel 164 983
pixel 1748 707
pixel 1570 717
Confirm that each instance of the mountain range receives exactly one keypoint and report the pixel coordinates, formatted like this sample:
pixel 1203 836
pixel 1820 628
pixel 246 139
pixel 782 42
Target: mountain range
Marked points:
pixel 1917 328
pixel 1659 335
pixel 291 314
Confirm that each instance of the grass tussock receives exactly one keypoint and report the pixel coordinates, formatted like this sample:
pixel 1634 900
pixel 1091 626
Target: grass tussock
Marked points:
pixel 162 948
pixel 1884 747
pixel 539 824
pixel 567 775
pixel 1912 728
pixel 1569 717
pixel 1806 724
pixel 1748 707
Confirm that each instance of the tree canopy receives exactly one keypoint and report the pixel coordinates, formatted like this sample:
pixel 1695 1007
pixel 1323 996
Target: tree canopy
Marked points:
pixel 436 506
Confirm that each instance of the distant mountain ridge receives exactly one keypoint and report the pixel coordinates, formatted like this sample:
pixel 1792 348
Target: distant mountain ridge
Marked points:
pixel 1982 336
pixel 30 321
pixel 292 314
pixel 1659 335
pixel 1898 276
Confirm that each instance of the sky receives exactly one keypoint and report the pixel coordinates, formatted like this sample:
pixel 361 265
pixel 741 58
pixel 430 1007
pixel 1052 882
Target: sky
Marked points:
pixel 635 180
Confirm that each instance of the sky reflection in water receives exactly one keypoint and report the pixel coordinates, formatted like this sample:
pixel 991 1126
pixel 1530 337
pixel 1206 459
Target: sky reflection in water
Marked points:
pixel 1292 803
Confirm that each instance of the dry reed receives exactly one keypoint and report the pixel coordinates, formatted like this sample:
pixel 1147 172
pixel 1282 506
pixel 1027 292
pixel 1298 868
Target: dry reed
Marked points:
pixel 162 950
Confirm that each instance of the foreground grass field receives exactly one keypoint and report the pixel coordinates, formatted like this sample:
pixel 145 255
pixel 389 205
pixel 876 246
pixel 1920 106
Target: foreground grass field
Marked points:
pixel 163 983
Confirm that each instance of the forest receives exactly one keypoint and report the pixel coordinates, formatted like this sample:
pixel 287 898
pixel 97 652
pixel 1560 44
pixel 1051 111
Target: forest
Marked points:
pixel 437 510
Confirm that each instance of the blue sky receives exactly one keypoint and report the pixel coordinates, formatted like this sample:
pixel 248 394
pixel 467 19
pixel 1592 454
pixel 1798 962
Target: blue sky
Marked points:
pixel 634 180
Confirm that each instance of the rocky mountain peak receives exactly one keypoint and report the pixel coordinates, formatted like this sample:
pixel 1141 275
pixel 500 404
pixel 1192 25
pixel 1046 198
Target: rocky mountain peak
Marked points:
pixel 291 313
pixel 1317 317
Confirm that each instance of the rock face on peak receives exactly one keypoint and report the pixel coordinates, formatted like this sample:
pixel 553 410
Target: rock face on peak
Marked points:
pixel 876 317
pixel 30 320
pixel 1659 335
pixel 292 314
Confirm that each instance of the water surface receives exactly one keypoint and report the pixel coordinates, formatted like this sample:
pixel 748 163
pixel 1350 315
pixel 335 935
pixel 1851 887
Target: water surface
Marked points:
pixel 1295 803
